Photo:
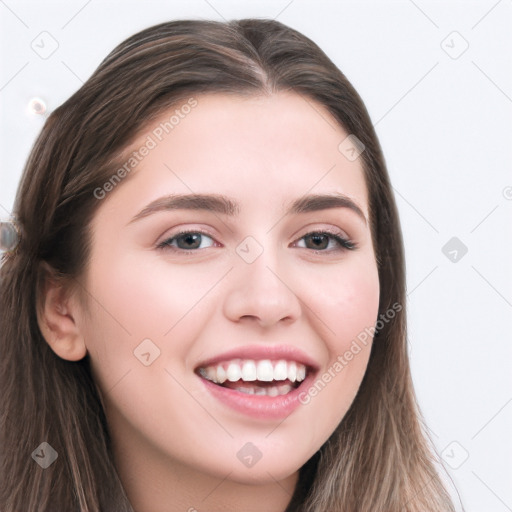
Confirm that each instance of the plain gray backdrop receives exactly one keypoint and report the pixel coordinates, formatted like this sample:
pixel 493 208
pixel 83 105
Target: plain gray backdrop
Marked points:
pixel 436 78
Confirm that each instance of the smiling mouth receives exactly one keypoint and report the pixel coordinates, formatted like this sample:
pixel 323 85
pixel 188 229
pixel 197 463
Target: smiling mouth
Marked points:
pixel 256 377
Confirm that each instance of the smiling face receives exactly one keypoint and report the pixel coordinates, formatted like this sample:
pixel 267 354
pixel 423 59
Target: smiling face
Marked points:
pixel 224 286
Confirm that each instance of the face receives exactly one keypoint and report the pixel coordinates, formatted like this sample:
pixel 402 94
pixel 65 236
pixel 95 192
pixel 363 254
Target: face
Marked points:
pixel 226 292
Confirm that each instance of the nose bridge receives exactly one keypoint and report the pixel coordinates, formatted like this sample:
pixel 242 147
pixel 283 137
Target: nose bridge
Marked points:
pixel 262 275
pixel 259 288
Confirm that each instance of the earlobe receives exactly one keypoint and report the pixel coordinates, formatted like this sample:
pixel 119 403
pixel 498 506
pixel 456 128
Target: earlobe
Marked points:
pixel 57 317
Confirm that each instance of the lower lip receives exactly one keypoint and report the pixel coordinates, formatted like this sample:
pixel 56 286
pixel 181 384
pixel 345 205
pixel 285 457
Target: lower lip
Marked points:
pixel 259 406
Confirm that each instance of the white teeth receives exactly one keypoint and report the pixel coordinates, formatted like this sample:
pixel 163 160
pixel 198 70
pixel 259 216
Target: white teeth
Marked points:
pixel 265 371
pixel 250 370
pixel 292 372
pixel 249 391
pixel 249 373
pixel 280 371
pixel 272 391
pixel 210 373
pixel 221 374
pixel 284 388
pixel 234 372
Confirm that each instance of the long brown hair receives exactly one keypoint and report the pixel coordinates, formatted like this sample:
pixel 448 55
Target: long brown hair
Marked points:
pixel 378 459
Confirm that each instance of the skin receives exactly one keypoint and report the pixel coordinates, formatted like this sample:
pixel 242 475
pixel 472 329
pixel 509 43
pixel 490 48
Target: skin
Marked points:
pixel 175 445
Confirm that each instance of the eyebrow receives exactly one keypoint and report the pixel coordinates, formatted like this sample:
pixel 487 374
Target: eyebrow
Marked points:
pixel 224 205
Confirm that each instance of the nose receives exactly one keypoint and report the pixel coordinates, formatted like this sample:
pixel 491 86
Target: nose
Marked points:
pixel 261 293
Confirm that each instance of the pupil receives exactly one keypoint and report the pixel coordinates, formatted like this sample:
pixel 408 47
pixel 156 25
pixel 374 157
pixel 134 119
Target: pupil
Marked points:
pixel 192 241
pixel 319 241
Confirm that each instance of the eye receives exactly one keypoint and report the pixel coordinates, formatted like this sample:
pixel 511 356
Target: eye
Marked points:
pixel 325 241
pixel 188 241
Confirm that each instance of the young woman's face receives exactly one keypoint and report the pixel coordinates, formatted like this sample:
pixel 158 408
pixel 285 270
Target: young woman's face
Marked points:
pixel 218 257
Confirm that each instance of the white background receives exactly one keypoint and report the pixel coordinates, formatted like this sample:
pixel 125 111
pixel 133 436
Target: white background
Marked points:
pixel 444 120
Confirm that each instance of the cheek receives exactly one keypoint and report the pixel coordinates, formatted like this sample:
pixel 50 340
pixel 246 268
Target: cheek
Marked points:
pixel 356 307
pixel 157 310
pixel 154 302
pixel 149 297
pixel 347 301
pixel 348 307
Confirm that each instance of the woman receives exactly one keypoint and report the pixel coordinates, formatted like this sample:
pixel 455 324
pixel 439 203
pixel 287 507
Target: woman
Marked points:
pixel 206 307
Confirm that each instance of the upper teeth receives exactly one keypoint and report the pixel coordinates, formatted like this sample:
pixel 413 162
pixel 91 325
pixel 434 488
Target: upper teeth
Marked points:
pixel 250 370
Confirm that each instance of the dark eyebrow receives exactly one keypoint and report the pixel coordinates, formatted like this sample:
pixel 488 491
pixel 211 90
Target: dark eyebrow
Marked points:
pixel 221 204
pixel 313 203
pixel 210 202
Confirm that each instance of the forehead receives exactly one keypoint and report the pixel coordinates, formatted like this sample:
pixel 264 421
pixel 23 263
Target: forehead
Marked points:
pixel 267 146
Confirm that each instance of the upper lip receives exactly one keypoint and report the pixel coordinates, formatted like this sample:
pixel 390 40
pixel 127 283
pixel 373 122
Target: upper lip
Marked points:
pixel 260 352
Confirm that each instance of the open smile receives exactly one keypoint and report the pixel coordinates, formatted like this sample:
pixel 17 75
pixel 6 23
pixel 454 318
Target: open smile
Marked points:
pixel 265 387
pixel 263 378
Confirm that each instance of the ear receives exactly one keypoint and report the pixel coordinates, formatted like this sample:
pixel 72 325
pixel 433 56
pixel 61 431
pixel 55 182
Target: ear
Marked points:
pixel 57 318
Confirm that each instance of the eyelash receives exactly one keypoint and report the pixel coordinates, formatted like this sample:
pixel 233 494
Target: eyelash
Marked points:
pixel 345 243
